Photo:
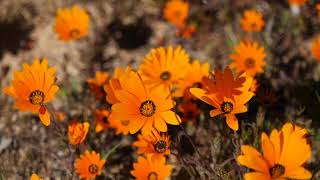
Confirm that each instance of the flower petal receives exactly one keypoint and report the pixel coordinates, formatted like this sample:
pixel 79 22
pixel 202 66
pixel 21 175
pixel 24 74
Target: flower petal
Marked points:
pixel 171 117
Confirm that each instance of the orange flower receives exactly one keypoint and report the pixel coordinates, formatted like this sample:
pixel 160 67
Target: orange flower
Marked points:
pixel 101 119
pixel 89 165
pixel 145 107
pixel 176 12
pixel 254 86
pixel 190 111
pixel 78 132
pixel 297 2
pixel 156 143
pixel 227 95
pixel 114 84
pixel 71 23
pixel 120 125
pixel 150 168
pixel 33 87
pixel 252 21
pixel 35 177
pixel 318 8
pixel 60 115
pixel 193 79
pixel 249 58
pixel 284 153
pixel 315 49
pixel 187 31
pixel 96 84
pixel 165 67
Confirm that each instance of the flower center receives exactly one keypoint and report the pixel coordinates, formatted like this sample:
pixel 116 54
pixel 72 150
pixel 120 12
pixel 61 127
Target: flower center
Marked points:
pixel 36 97
pixel 74 33
pixel 147 108
pixel 153 176
pixel 276 171
pixel 250 63
pixel 197 85
pixel 165 75
pixel 93 169
pixel 105 120
pixel 125 122
pixel 226 107
pixel 160 146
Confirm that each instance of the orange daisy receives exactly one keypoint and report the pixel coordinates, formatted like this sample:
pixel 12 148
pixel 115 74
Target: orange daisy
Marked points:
pixel 227 95
pixel 33 87
pixel 165 67
pixel 78 132
pixel 114 84
pixel 284 153
pixel 35 177
pixel 252 21
pixel 71 23
pixel 89 165
pixel 101 119
pixel 248 57
pixel 145 107
pixel 156 143
pixel 176 12
pixel 193 78
pixel 190 111
pixel 96 84
pixel 150 168
pixel 315 49
pixel 297 2
pixel 120 125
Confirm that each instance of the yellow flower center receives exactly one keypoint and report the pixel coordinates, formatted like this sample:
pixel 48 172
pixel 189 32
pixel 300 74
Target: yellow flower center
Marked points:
pixel 160 146
pixel 93 169
pixel 147 108
pixel 226 107
pixel 153 176
pixel 125 122
pixel 165 75
pixel 276 171
pixel 36 97
pixel 250 63
pixel 74 33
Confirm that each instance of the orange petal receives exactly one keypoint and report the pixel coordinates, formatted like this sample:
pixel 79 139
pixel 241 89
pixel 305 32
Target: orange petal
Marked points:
pixel 256 176
pixel 232 121
pixel 160 124
pixel 215 112
pixel 171 117
pixel 298 173
pixel 45 118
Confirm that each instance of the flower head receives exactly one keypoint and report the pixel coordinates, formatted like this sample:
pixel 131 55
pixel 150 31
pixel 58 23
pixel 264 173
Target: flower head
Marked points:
pixel 284 153
pixel 190 111
pixel 176 12
pixel 78 132
pixel 151 168
pixel 297 2
pixel 187 31
pixel 315 49
pixel 156 143
pixel 71 23
pixel 89 165
pixel 114 84
pixel 143 106
pixel 165 67
pixel 101 119
pixel 35 177
pixel 96 84
pixel 252 21
pixel 193 78
pixel 248 57
pixel 33 88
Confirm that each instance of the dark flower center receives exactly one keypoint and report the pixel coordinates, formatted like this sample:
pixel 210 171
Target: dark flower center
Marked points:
pixel 276 171
pixel 165 75
pixel 105 119
pixel 250 63
pixel 197 85
pixel 226 107
pixel 160 146
pixel 125 122
pixel 153 176
pixel 74 33
pixel 93 169
pixel 147 108
pixel 36 97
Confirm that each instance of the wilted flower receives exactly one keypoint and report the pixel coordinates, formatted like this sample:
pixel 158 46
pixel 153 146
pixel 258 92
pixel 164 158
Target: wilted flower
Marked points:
pixel 150 168
pixel 248 57
pixel 33 87
pixel 78 132
pixel 190 111
pixel 89 165
pixel 252 21
pixel 284 153
pixel 96 84
pixel 101 119
pixel 71 23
